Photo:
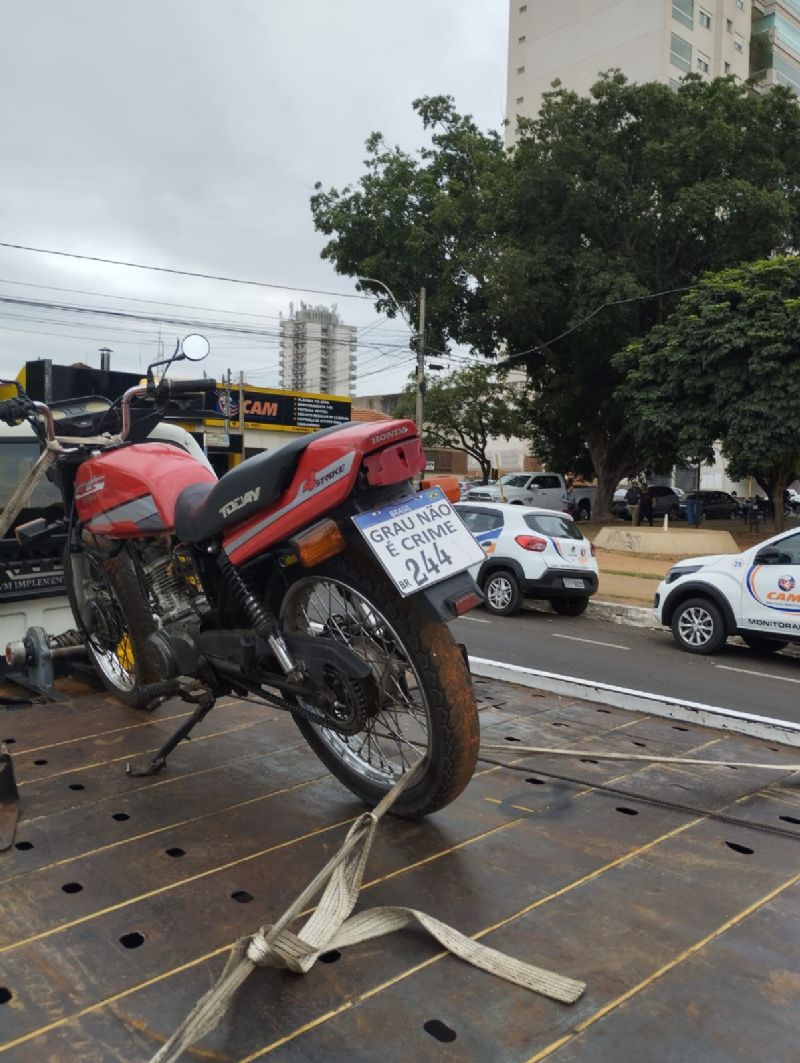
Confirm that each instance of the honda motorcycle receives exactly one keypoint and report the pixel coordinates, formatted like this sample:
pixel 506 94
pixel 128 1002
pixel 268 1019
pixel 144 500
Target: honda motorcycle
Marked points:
pixel 312 577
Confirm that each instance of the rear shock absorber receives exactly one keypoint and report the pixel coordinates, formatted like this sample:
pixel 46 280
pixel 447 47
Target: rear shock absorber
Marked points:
pixel 261 619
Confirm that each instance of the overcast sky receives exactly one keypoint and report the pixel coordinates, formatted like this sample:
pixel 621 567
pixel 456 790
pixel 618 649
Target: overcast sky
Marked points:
pixel 189 134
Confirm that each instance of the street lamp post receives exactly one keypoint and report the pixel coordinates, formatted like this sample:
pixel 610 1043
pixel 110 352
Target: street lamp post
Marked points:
pixel 419 342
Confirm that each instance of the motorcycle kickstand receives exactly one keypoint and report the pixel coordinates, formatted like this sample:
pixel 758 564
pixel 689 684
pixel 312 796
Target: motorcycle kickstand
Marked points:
pixel 190 690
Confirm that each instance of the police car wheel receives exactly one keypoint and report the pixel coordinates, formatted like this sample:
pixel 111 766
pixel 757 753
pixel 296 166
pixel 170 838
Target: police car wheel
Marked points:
pixel 502 593
pixel 764 645
pixel 698 626
pixel 569 606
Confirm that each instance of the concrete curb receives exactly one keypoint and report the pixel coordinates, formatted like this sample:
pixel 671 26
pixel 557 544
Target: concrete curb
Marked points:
pixel 619 613
pixel 616 612
pixel 764 727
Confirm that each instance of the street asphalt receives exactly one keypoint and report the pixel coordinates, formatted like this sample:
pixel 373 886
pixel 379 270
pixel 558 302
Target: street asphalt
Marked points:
pixel 642 659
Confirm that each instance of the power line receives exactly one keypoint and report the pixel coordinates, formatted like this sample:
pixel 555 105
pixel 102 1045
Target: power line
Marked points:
pixel 182 272
pixel 133 299
pixel 186 306
pixel 152 319
pixel 594 313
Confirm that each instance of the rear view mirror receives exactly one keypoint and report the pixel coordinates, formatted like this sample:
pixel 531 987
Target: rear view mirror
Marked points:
pixel 195 347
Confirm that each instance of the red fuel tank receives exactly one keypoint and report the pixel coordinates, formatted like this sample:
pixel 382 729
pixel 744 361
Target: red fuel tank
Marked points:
pixel 132 491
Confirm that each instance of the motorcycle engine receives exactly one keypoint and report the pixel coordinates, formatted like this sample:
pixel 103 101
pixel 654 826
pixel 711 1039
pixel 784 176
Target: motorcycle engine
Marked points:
pixel 178 599
pixel 173 584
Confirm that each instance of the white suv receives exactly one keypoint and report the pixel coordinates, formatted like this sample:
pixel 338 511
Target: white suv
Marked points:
pixel 531 553
pixel 755 594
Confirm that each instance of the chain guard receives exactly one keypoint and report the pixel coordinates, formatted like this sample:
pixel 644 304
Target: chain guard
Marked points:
pixel 349 722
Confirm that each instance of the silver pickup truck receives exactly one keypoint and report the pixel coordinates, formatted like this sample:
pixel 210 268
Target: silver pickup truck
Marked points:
pixel 534 489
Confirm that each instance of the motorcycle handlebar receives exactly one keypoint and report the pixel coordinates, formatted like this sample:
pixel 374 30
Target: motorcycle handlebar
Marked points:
pixel 13 410
pixel 166 388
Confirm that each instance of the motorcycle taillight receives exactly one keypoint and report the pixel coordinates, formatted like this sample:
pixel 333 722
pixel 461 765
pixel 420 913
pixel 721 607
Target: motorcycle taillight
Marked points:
pixel 401 461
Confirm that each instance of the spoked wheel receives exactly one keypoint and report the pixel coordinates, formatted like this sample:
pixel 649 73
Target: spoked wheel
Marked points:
pixel 114 635
pixel 419 704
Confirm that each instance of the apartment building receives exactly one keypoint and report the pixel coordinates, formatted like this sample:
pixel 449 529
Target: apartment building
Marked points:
pixel 775 55
pixel 649 40
pixel 317 351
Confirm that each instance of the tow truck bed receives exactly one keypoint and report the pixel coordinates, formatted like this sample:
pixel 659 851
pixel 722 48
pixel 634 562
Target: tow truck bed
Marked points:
pixel 122 895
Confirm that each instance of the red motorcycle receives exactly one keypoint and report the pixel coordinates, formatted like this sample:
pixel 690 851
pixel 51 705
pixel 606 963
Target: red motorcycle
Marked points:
pixel 311 576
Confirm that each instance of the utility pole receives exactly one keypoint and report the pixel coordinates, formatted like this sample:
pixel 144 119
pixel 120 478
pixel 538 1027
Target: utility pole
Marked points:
pixel 420 359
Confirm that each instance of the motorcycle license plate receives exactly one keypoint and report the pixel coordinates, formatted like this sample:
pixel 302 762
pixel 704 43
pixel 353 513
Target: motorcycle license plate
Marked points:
pixel 419 540
pixel 573 584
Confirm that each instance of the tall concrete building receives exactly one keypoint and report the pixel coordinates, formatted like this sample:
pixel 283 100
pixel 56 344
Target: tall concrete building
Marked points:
pixel 649 40
pixel 317 351
pixel 776 38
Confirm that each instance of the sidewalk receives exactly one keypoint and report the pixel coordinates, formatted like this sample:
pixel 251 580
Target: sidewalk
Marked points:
pixel 628 581
pixel 630 578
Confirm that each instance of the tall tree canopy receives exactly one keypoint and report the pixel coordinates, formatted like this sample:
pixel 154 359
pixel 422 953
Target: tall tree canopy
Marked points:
pixel 726 367
pixel 422 220
pixel 616 200
pixel 580 240
pixel 465 411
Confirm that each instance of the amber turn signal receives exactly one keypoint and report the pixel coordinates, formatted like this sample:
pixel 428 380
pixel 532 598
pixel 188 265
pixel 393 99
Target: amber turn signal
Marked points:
pixel 318 543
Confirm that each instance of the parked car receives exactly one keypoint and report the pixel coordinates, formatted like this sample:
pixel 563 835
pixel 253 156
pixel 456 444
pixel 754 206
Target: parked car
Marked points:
pixel 467 485
pixel 755 594
pixel 530 553
pixel 667 500
pixel 717 505
pixel 541 489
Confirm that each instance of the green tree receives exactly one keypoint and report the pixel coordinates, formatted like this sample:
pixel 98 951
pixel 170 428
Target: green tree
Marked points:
pixel 617 201
pixel 464 411
pixel 578 241
pixel 421 220
pixel 726 367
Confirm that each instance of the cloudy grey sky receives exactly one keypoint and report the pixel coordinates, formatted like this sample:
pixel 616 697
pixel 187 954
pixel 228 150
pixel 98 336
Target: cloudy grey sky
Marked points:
pixel 189 133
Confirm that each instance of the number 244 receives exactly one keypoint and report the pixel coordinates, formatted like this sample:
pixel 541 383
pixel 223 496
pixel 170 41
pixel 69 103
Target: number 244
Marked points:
pixel 422 569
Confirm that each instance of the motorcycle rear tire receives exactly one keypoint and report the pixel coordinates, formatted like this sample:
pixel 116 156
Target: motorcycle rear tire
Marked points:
pixel 438 671
pixel 127 596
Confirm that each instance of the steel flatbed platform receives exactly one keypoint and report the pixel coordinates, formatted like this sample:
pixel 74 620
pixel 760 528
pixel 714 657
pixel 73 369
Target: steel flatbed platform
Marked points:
pixel 122 895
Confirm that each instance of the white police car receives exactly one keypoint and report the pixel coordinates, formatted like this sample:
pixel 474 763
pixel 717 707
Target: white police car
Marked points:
pixel 755 594
pixel 531 553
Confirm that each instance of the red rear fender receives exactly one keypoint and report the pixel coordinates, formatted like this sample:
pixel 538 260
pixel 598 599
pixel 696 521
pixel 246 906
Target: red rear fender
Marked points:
pixel 324 478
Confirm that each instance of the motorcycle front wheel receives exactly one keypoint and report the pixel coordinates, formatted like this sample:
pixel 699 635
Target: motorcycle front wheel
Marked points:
pixel 114 618
pixel 421 706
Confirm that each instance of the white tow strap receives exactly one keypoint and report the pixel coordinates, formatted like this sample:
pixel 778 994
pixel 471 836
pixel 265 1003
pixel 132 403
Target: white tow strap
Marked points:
pixel 27 486
pixel 515 748
pixel 38 470
pixel 332 926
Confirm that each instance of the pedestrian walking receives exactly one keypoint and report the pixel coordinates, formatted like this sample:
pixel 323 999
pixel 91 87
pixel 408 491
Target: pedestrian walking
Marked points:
pixel 633 498
pixel 646 507
pixel 568 503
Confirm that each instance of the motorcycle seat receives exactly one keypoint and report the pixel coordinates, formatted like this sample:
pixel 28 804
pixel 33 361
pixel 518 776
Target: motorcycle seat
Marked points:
pixel 204 510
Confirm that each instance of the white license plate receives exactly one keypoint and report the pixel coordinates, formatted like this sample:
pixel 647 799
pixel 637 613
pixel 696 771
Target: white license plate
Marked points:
pixel 573 584
pixel 419 540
